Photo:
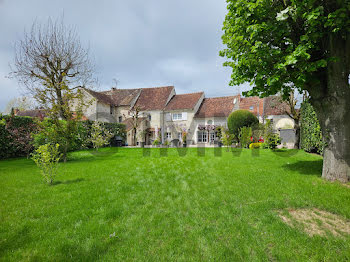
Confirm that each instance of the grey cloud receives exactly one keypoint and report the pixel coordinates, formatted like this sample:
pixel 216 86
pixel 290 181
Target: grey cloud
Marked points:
pixel 140 43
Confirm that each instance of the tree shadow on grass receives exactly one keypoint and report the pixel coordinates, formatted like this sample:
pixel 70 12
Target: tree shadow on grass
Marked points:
pixel 16 240
pixel 313 167
pixel 67 182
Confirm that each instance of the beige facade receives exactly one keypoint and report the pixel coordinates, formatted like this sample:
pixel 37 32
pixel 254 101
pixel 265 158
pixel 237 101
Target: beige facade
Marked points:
pixel 177 114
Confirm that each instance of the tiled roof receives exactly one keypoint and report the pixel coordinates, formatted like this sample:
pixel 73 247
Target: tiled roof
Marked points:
pixel 122 97
pixel 184 101
pixel 101 96
pixel 41 113
pixel 253 104
pixel 275 106
pixel 153 98
pixel 217 107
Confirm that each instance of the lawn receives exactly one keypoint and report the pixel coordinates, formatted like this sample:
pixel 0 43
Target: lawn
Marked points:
pixel 131 205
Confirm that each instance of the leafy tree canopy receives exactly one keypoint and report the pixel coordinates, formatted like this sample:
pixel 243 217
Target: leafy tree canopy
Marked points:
pixel 277 45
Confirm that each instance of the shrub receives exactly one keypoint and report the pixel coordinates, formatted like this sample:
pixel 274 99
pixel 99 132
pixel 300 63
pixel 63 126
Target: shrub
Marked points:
pixel 254 145
pixel 273 141
pixel 15 136
pixel 156 142
pixel 264 145
pixel 245 134
pixel 47 157
pixel 99 135
pixel 311 139
pixel 227 138
pixel 239 119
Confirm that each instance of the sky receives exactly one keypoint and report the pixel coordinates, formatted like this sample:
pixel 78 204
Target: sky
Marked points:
pixel 139 43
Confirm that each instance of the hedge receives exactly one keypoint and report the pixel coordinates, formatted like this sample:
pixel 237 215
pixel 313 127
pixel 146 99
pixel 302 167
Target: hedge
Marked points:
pixel 310 130
pixel 15 136
pixel 17 133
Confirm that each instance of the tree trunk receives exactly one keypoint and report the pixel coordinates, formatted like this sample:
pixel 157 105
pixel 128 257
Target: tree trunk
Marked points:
pixel 331 101
pixel 336 132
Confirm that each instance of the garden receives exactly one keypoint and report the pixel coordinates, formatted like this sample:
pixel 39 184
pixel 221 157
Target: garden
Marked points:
pixel 189 204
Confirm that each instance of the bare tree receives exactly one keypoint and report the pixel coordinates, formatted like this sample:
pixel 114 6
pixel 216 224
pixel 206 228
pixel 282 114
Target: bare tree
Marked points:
pixel 52 64
pixel 134 120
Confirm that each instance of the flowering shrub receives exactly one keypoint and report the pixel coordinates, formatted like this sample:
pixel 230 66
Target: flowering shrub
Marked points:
pixel 47 157
pixel 99 136
pixel 254 145
pixel 15 136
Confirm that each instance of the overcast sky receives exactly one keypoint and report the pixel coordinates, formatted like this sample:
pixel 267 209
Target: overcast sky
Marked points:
pixel 140 43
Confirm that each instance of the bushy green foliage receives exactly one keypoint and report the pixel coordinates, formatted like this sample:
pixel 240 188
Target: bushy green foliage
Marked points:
pixel 239 119
pixel 273 141
pixel 99 136
pixel 227 138
pixel 310 130
pixel 15 136
pixel 80 138
pixel 156 142
pixel 47 157
pixel 245 134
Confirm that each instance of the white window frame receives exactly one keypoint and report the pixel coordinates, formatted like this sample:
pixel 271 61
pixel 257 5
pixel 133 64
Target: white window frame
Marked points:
pixel 202 136
pixel 212 136
pixel 168 135
pixel 177 116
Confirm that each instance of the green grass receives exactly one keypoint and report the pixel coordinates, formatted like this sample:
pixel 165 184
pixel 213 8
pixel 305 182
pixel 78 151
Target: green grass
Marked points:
pixel 167 208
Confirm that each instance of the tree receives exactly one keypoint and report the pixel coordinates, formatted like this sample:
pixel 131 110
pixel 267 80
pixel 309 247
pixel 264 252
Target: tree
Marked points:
pixel 134 115
pixel 239 119
pixel 20 103
pixel 52 65
pixel 284 44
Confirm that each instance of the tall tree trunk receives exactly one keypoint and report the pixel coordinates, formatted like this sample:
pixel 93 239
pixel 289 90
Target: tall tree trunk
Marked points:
pixel 336 132
pixel 333 109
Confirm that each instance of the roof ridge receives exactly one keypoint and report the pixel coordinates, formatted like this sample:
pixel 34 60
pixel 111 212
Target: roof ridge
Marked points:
pixel 201 92
pixel 156 87
pixel 220 97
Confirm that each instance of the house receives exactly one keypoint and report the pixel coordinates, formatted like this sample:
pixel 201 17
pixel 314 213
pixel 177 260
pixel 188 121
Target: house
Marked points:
pixel 165 116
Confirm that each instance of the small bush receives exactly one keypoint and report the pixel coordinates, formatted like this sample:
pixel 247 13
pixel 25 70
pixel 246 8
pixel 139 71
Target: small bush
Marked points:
pixel 47 157
pixel 227 138
pixel 245 135
pixel 156 142
pixel 254 145
pixel 273 141
pixel 264 145
pixel 239 119
pixel 99 136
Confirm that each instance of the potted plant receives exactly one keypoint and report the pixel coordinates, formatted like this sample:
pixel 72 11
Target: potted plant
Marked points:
pixel 184 139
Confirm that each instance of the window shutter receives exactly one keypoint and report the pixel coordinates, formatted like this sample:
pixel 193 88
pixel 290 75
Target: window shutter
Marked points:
pixel 184 115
